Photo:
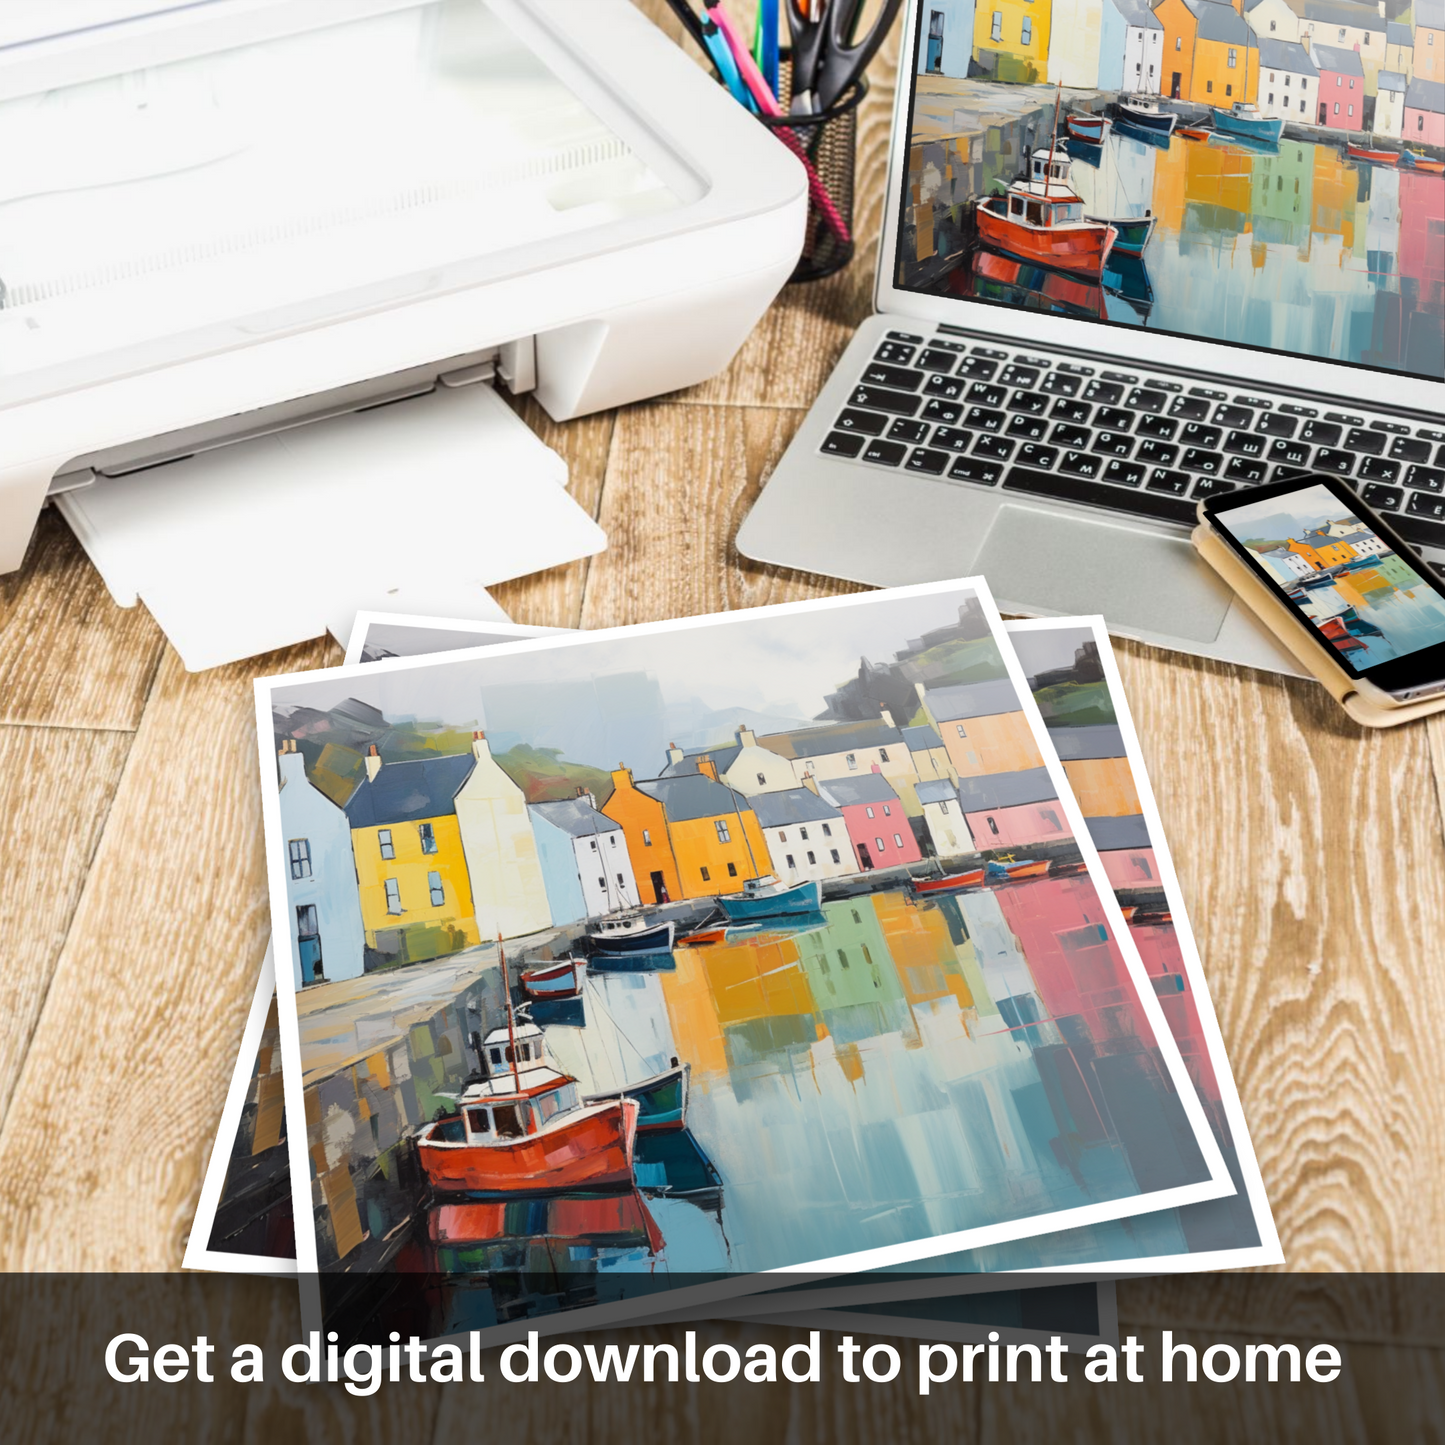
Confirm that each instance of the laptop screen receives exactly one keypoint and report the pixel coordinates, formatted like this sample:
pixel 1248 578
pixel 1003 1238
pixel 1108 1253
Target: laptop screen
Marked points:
pixel 1268 174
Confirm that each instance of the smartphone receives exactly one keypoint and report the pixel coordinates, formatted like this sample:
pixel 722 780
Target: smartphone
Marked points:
pixel 1355 586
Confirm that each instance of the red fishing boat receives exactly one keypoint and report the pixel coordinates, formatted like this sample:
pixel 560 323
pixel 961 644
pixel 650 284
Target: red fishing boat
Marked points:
pixel 524 1130
pixel 1344 641
pixel 1375 158
pixel 1030 869
pixel 703 936
pixel 950 882
pixel 554 980
pixel 616 1220
pixel 1419 162
pixel 1039 221
pixel 1193 132
pixel 1087 128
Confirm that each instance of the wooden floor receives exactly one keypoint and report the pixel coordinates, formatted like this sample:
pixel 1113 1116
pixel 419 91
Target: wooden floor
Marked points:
pixel 1311 854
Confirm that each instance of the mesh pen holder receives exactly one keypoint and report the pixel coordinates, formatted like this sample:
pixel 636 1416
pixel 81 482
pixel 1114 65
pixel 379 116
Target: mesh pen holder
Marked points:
pixel 827 143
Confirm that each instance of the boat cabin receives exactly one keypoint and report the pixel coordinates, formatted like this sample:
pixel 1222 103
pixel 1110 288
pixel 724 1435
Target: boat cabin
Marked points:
pixel 500 1055
pixel 1032 208
pixel 510 1118
pixel 1052 165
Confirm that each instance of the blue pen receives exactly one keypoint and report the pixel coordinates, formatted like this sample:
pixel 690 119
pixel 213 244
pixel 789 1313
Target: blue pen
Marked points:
pixel 768 28
pixel 727 67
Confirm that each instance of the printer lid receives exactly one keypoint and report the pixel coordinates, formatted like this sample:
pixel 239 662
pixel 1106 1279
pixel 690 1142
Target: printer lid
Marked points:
pixel 184 180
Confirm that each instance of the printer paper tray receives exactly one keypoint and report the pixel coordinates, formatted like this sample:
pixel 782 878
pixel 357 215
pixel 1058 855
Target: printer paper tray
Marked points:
pixel 417 506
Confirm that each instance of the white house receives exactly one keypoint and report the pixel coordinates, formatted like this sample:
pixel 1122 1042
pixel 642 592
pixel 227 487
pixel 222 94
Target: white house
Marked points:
pixel 323 904
pixel 844 749
pixel 1133 48
pixel 509 892
pixel 1272 20
pixel 1390 104
pixel 743 765
pixel 947 827
pixel 1077 63
pixel 1286 566
pixel 807 837
pixel 1288 80
pixel 585 864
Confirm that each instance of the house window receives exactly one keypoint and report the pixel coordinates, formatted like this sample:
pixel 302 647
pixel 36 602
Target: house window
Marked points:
pixel 834 853
pixel 620 883
pixel 602 881
pixel 803 834
pixel 393 896
pixel 1026 31
pixel 842 958
pixel 1349 110
pixel 646 838
pixel 306 925
pixel 961 732
pixel 811 858
pixel 428 838
pixel 613 840
pixel 790 862
pixel 782 836
pixel 898 839
pixel 1352 82
pixel 762 781
pixel 383 838
pixel 706 876
pixel 943 806
pixel 996 30
pixel 438 893
pixel 882 755
pixel 593 845
pixel 1179 42
pixel 300 851
pixel 1419 120
pixel 1233 57
pixel 1271 25
pixel 1302 109
pixel 827 830
pixel 869 811
pixel 1342 32
pixel 1209 87
pixel 878 843
pixel 1337 107
pixel 852 762
pixel 1367 37
pixel 1339 81
pixel 887 811
pixel 723 835
pixel 1271 101
pixel 1229 90
pixel 992 826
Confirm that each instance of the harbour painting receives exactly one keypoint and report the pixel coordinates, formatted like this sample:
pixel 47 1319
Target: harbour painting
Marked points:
pixel 1215 171
pixel 811 1010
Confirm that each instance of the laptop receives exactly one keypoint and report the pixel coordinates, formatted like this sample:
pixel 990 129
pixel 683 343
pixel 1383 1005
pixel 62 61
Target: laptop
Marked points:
pixel 1084 325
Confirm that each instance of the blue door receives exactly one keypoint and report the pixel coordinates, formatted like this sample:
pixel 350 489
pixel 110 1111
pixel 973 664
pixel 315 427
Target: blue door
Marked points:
pixel 308 944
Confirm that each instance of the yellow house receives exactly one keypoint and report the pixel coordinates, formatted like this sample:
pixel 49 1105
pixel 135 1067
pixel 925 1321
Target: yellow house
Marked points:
pixel 1322 550
pixel 1011 38
pixel 416 895
pixel 1210 53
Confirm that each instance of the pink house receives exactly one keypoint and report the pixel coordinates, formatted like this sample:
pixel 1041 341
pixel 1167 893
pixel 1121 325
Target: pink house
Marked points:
pixel 1125 851
pixel 873 813
pixel 1012 810
pixel 1425 112
pixel 1341 94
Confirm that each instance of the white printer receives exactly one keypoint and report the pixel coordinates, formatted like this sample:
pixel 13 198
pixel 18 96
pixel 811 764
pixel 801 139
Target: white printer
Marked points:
pixel 232 231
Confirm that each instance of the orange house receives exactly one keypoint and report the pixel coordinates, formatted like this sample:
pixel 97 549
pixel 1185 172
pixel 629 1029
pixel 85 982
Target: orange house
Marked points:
pixel 1176 70
pixel 1098 770
pixel 982 727
pixel 1208 49
pixel 649 846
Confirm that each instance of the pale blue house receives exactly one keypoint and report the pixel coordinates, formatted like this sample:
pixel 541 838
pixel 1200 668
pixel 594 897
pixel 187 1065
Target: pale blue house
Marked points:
pixel 586 869
pixel 323 904
pixel 945 38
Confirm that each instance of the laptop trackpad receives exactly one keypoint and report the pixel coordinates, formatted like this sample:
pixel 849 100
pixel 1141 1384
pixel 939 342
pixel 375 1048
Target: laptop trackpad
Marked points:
pixel 1042 560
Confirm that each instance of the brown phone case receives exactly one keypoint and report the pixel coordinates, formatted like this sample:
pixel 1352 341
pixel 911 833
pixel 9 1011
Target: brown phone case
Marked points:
pixel 1290 630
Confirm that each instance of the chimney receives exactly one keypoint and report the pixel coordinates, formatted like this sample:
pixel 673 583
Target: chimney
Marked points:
pixel 810 783
pixel 585 795
pixel 373 762
pixel 674 753
pixel 291 763
pixel 707 768
pixel 621 777
pixel 875 768
pixel 1381 8
pixel 480 749
pixel 747 737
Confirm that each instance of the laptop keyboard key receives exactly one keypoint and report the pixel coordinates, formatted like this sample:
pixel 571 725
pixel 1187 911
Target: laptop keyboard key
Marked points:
pixel 878 398
pixel 933 359
pixel 1099 494
pixel 1272 424
pixel 1163 480
pixel 984 395
pixel 1321 433
pixel 905 336
pixel 1212 486
pixel 1377 469
pixel 1060 383
pixel 1288 453
pixel 895 353
pixel 1156 454
pixel 977 367
pixel 907 430
pixel 1113 418
pixel 1035 403
pixel 1195 435
pixel 1236 416
pixel 953 438
pixel 925 459
pixel 1032 428
pixel 935 409
pixel 1075 411
pixel 972 469
pixel 1124 474
pixel 1189 408
pixel 1422 505
pixel 1426 479
pixel 1383 499
pixel 1112 444
pixel 1243 469
pixel 996 447
pixel 1070 436
pixel 1142 398
pixel 982 419
pixel 948 387
pixel 1410 449
pixel 1199 460
pixel 843 444
pixel 1245 443
pixel 867 422
pixel 1156 426
pixel 1081 464
pixel 1366 443
pixel 1031 455
pixel 886 454
pixel 1107 392
pixel 877 374
pixel 1016 375
pixel 1331 459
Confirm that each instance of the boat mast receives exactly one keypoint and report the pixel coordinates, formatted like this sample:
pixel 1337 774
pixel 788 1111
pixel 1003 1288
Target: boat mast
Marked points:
pixel 1053 138
pixel 511 1022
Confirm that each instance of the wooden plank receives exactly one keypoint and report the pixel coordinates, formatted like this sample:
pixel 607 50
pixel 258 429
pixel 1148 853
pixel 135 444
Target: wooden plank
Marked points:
pixel 679 482
pixel 1314 868
pixel 554 598
pixel 69 657
pixel 150 991
pixel 56 786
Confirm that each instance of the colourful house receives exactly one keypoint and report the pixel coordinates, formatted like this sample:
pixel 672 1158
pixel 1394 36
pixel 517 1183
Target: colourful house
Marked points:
pixel 1098 769
pixel 1429 62
pixel 1125 851
pixel 1226 57
pixel 1288 81
pixel 1012 810
pixel 324 913
pixel 1341 102
pixel 943 815
pixel 1399 49
pixel 586 867
pixel 1331 551
pixel 982 726
pixel 1011 39
pixel 1131 48
pixel 1286 566
pixel 745 764
pixel 1348 25
pixel 928 755
pixel 713 832
pixel 807 837
pixel 840 750
pixel 1272 20
pixel 879 829
pixel 509 892
pixel 649 845
pixel 945 38
pixel 1425 112
pixel 413 883
pixel 1390 89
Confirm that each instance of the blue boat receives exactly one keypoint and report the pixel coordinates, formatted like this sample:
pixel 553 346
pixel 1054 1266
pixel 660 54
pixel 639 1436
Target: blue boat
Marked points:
pixel 631 933
pixel 1133 233
pixel 661 1100
pixel 1145 112
pixel 1244 119
pixel 766 898
pixel 660 962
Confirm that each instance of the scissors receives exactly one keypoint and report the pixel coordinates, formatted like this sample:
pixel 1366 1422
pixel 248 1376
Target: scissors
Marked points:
pixel 827 55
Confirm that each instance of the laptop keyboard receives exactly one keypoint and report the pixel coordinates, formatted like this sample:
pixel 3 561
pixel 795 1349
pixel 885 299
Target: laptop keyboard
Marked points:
pixel 1142 443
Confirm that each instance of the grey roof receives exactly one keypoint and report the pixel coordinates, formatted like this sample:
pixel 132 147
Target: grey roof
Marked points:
pixel 1426 95
pixel 1005 790
pixel 1342 62
pixel 865 788
pixel 1138 13
pixel 1100 740
pixel 1397 34
pixel 921 739
pixel 577 817
pixel 693 796
pixel 831 738
pixel 937 790
pixel 1110 834
pixel 1218 21
pixel 1390 80
pixel 724 757
pixel 1344 12
pixel 792 805
pixel 1430 14
pixel 406 792
pixel 973 699
pixel 1287 55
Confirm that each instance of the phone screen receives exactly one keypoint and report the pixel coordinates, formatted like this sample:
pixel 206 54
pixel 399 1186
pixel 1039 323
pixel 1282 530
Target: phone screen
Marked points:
pixel 1358 588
